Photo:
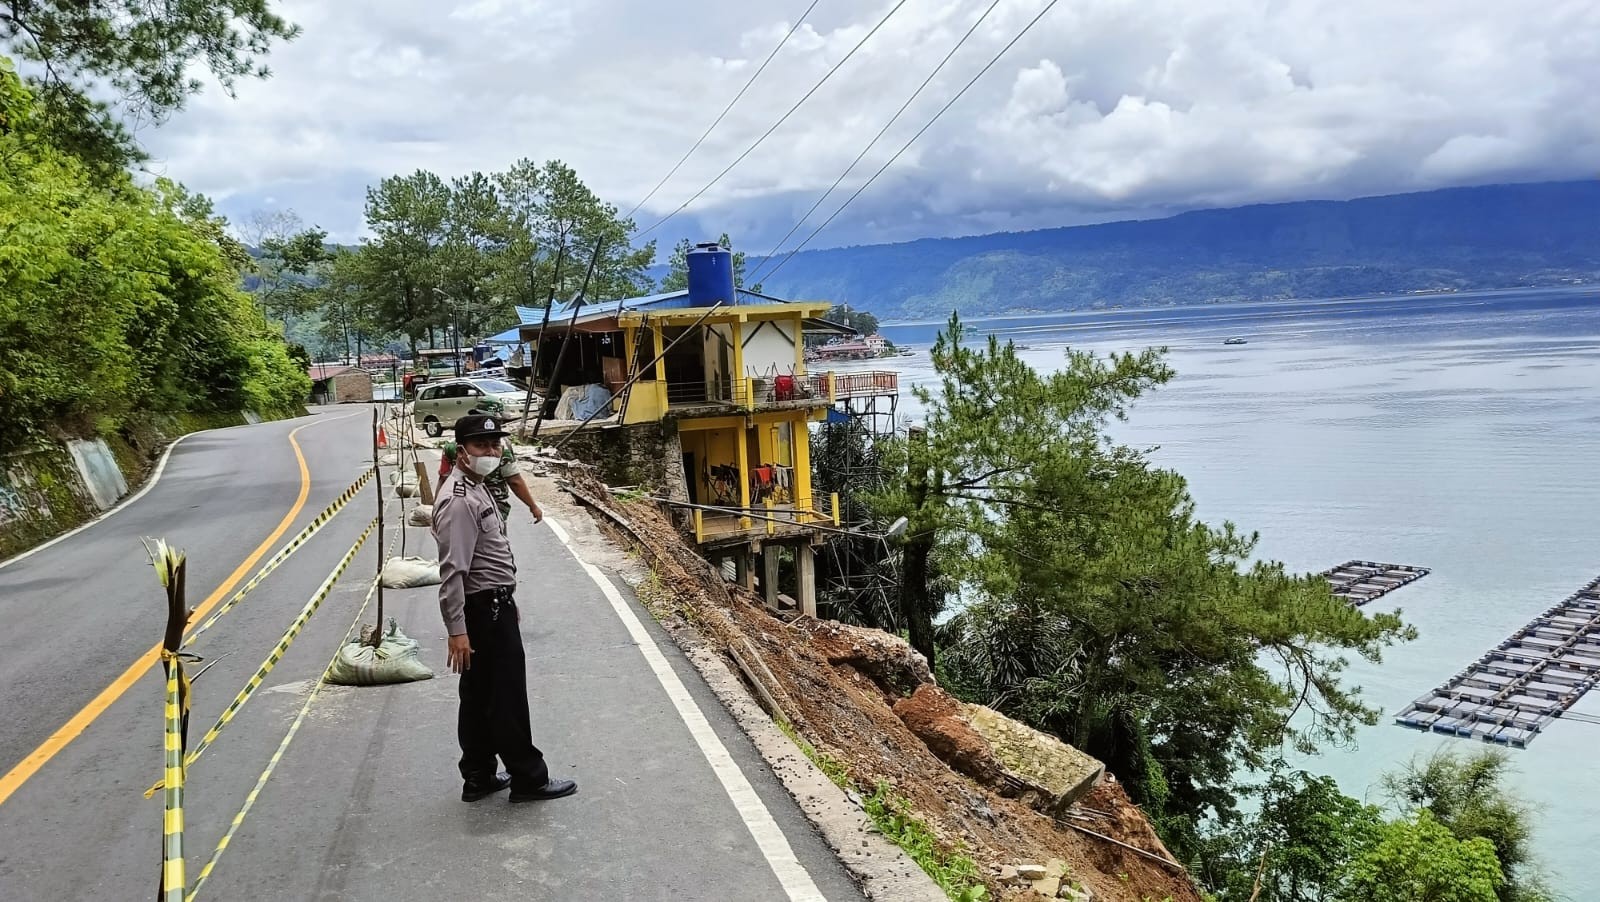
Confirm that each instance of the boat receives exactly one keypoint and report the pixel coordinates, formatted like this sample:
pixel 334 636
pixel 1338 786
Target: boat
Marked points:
pixel 1236 341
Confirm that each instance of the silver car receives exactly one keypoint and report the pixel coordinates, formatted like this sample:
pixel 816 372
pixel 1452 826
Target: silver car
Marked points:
pixel 442 403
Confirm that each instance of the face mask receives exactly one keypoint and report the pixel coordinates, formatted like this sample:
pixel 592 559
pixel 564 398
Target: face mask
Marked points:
pixel 483 466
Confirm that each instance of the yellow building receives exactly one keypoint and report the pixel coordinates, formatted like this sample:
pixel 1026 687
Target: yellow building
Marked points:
pixel 718 388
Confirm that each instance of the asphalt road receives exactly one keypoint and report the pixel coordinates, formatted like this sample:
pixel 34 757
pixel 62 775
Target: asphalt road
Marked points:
pixel 365 804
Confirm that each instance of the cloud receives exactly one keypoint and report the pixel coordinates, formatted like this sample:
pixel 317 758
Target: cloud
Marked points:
pixel 1107 109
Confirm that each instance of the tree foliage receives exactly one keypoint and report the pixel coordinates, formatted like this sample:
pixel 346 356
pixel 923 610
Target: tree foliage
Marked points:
pixel 1418 859
pixel 115 298
pixel 859 320
pixel 1467 794
pixel 677 277
pixel 148 54
pixel 461 254
pixel 1098 606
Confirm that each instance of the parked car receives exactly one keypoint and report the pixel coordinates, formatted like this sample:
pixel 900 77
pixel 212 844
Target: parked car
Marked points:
pixel 441 403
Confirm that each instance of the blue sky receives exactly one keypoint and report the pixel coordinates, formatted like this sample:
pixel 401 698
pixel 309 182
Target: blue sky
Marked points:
pixel 1108 109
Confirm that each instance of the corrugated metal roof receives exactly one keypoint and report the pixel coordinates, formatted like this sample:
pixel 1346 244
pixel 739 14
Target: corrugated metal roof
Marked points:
pixel 670 300
pixel 510 336
pixel 528 314
pixel 320 371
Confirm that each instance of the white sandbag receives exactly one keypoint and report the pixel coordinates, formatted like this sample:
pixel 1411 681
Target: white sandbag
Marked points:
pixel 396 659
pixel 421 515
pixel 410 572
pixel 405 483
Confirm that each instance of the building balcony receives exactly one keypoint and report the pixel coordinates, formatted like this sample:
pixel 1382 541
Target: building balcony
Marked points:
pixel 772 519
pixel 749 394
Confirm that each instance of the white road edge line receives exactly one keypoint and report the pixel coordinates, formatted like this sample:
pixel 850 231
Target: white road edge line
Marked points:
pixel 149 484
pixel 155 477
pixel 780 857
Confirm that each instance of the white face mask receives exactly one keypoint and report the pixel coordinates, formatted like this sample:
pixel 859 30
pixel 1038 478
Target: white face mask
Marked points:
pixel 483 466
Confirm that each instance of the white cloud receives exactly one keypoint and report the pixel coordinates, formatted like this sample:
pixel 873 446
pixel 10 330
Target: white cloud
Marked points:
pixel 1108 108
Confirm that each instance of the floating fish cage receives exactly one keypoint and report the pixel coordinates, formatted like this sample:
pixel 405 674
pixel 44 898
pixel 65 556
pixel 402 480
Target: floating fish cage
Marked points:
pixel 1362 581
pixel 1512 693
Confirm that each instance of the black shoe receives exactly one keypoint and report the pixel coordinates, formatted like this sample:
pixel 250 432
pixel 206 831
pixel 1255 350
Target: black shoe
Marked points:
pixel 552 789
pixel 472 791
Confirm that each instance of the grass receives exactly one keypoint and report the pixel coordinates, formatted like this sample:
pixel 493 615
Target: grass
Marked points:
pixel 955 873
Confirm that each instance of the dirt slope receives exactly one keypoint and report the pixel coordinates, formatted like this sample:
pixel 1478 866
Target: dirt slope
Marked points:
pixel 839 686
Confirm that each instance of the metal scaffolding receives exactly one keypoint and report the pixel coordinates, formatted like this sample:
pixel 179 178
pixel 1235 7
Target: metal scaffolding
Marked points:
pixel 856 580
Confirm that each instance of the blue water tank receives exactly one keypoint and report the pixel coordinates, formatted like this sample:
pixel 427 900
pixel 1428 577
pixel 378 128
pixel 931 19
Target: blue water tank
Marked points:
pixel 710 275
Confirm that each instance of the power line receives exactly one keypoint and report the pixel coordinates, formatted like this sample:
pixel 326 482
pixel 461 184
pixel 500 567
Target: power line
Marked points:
pixel 782 119
pixel 907 146
pixel 772 254
pixel 792 29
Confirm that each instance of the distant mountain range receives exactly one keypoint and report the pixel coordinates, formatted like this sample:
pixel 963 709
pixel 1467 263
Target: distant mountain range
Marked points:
pixel 1499 236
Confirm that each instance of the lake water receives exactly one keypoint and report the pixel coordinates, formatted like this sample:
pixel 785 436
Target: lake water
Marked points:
pixel 1457 432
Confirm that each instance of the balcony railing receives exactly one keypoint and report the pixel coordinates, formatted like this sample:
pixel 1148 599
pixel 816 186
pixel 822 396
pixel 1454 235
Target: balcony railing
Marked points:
pixel 765 519
pixel 752 392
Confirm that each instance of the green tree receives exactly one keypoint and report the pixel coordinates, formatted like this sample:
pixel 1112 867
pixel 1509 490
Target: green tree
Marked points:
pixel 548 208
pixel 677 277
pixel 1100 608
pixel 116 299
pixel 146 53
pixel 1418 859
pixel 286 264
pixel 859 320
pixel 350 318
pixel 1467 794
pixel 401 262
pixel 1297 847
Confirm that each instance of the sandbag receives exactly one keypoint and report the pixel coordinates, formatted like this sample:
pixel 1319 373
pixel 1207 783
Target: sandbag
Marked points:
pixel 396 659
pixel 409 573
pixel 421 515
pixel 405 483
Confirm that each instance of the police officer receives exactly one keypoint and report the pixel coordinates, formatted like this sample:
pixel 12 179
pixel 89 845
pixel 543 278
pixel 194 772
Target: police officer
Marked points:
pixel 478 577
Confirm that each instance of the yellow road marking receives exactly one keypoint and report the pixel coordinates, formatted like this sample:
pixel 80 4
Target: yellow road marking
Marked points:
pixel 69 731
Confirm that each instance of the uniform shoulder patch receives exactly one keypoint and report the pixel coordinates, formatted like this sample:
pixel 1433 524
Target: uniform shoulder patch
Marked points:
pixel 460 489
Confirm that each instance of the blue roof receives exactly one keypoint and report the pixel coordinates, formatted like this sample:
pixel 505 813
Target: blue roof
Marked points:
pixel 671 300
pixel 529 314
pixel 510 336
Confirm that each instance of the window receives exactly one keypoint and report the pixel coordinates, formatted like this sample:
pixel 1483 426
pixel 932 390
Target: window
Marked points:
pixel 495 385
pixel 429 394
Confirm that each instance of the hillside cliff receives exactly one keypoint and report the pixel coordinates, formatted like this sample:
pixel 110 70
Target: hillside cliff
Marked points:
pixel 1498 236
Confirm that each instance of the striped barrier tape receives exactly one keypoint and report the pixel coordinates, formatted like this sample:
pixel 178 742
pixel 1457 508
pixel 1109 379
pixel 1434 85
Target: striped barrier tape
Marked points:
pixel 283 553
pixel 177 708
pixel 272 763
pixel 277 653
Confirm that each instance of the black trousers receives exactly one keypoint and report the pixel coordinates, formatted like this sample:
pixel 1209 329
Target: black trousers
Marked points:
pixel 493 718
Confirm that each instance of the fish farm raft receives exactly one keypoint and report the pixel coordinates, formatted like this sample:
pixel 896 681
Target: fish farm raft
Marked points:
pixel 1359 582
pixel 1524 683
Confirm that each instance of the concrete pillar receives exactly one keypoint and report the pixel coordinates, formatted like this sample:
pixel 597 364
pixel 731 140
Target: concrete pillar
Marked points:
pixel 769 575
pixel 805 566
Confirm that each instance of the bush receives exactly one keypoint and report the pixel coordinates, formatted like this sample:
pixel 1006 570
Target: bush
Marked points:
pixel 116 298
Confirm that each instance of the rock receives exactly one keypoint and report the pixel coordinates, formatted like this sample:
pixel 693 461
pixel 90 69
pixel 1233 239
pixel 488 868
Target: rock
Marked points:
pixel 1055 867
pixel 1040 760
pixel 1075 893
pixel 1031 872
pixel 1047 887
pixel 1008 874
pixel 887 660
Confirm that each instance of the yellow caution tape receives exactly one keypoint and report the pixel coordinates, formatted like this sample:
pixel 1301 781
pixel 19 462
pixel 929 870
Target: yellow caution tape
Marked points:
pixel 289 548
pixel 277 653
pixel 272 763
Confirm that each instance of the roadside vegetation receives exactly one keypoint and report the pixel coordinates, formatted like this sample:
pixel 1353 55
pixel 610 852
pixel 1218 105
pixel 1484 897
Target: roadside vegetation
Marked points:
pixel 1095 605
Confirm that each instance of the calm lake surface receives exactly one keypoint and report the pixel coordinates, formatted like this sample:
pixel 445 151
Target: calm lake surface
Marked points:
pixel 1458 432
